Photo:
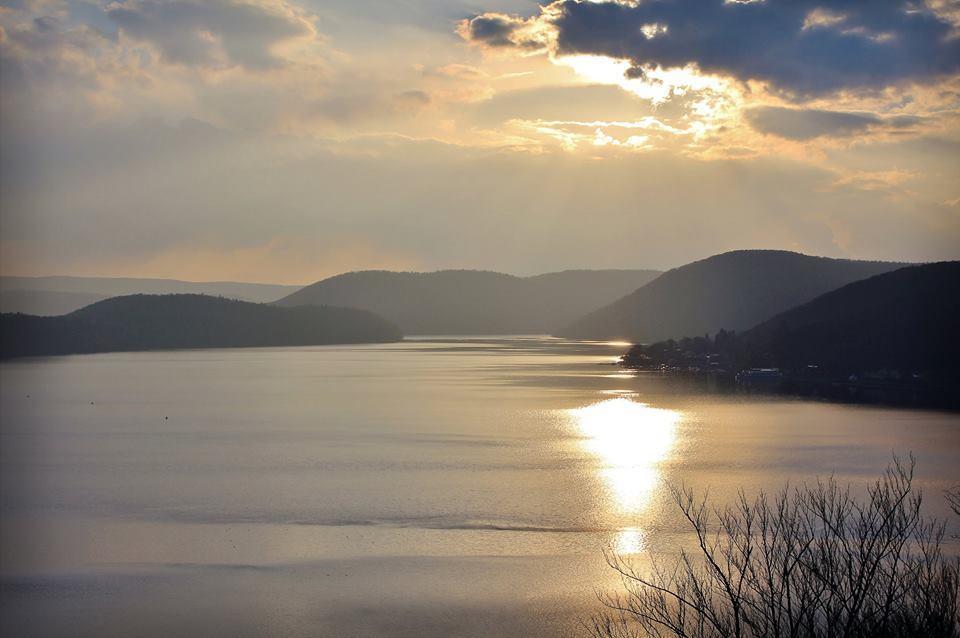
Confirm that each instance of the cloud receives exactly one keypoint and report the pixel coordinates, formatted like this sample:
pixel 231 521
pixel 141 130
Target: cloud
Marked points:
pixel 50 50
pixel 807 124
pixel 888 181
pixel 581 102
pixel 162 199
pixel 212 33
pixel 414 96
pixel 118 156
pixel 493 29
pixel 501 30
pixel 801 48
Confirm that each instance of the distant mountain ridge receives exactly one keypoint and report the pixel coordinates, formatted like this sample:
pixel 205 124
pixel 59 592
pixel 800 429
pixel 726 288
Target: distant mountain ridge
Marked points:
pixel 473 301
pixel 60 295
pixel 732 291
pixel 161 322
pixel 46 303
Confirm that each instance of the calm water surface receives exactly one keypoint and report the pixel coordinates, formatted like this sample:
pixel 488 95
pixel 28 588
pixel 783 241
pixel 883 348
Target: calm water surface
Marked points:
pixel 428 488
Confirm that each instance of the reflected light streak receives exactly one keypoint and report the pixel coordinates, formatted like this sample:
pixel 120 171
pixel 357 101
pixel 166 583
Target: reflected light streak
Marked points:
pixel 630 540
pixel 630 439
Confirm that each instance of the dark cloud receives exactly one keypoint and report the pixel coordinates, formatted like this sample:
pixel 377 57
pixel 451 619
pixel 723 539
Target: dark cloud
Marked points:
pixel 800 47
pixel 210 33
pixel 806 124
pixel 500 30
pixel 493 29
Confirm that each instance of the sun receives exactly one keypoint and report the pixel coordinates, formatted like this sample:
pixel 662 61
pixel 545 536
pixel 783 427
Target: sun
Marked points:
pixel 653 83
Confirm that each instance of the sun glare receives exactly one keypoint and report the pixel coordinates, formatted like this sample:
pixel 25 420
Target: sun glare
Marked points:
pixel 630 440
pixel 655 84
pixel 596 68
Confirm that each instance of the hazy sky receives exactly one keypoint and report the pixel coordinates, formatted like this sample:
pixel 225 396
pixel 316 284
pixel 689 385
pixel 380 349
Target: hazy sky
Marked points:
pixel 285 141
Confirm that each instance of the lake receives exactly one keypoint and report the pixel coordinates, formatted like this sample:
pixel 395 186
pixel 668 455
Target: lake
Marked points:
pixel 434 487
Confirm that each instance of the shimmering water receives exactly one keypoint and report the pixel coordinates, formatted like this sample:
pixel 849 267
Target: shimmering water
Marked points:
pixel 428 488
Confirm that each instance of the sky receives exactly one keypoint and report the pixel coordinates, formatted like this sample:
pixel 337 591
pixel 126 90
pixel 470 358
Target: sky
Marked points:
pixel 287 141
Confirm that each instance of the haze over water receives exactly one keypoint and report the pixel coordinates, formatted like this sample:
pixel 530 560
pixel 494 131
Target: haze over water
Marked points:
pixel 426 488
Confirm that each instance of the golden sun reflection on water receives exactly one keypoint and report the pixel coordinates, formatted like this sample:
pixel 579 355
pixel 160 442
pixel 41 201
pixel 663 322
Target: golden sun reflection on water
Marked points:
pixel 629 541
pixel 630 440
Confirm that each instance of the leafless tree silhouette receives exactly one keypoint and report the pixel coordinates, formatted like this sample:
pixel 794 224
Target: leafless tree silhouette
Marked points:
pixel 809 562
pixel 953 497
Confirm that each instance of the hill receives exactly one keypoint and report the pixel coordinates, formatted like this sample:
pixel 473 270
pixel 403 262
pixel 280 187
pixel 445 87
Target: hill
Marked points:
pixel 154 322
pixel 904 320
pixel 472 301
pixel 60 295
pixel 890 338
pixel 732 291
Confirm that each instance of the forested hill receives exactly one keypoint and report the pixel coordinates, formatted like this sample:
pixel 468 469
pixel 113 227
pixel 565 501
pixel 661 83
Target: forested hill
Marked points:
pixel 153 322
pixel 903 320
pixel 731 291
pixel 472 301
pixel 900 325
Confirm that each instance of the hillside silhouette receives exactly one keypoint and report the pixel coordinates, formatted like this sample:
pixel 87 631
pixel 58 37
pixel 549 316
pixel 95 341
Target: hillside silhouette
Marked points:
pixel 61 295
pixel 472 301
pixel 888 338
pixel 153 322
pixel 903 320
pixel 732 291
